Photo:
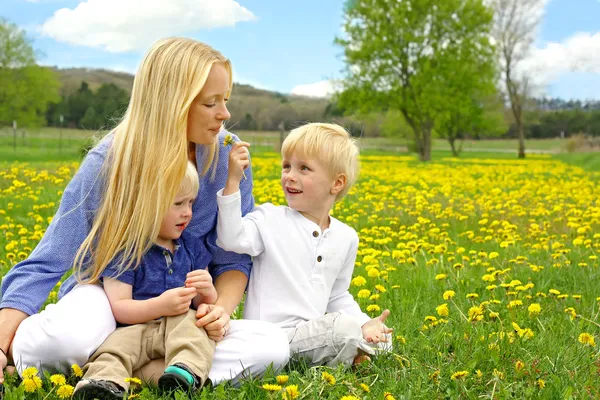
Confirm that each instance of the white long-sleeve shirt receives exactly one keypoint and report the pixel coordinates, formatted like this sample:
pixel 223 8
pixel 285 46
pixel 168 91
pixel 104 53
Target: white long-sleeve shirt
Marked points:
pixel 299 272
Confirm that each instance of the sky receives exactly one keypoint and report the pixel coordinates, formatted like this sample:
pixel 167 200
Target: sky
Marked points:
pixel 281 45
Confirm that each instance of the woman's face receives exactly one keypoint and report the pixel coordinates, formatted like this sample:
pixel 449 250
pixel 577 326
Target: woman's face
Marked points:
pixel 209 108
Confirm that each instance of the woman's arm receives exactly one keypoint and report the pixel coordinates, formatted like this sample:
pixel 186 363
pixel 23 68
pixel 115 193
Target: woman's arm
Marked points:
pixel 10 319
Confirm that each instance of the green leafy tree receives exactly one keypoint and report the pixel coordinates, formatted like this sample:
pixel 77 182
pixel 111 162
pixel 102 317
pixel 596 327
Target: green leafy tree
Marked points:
pixel 26 89
pixel 401 55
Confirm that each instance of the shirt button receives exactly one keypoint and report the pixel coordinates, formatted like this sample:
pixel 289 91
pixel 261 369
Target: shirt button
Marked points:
pixel 316 234
pixel 319 258
pixel 170 271
pixel 165 253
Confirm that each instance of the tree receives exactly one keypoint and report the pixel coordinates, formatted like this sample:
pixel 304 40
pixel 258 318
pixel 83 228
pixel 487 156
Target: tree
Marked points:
pixel 515 24
pixel 400 55
pixel 26 89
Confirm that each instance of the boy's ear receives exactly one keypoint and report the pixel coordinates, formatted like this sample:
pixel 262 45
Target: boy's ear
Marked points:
pixel 338 184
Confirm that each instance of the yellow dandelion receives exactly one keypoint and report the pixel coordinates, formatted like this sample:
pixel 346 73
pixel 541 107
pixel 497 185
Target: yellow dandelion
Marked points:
pixel 77 370
pixel 291 392
pixel 519 365
pixel 380 288
pixel 136 381
pixel 541 383
pixel 29 373
pixel 364 293
pixel 282 379
pixel 365 387
pixel 373 308
pixel 58 379
pixel 359 281
pixel 448 294
pixel 228 140
pixel 349 398
pixel 440 277
pixel 388 396
pixel 442 310
pixel 472 295
pixel 459 375
pixel 327 377
pixel 65 391
pixel 534 309
pixel 586 338
pixel 270 387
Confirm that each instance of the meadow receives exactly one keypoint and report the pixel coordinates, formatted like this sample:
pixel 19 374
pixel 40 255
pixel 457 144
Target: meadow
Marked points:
pixel 488 264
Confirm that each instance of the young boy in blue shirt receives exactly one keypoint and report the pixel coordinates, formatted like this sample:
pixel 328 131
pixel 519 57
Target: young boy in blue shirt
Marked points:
pixel 151 302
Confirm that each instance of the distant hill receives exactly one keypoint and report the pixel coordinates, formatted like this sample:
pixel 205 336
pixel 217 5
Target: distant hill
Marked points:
pixel 251 108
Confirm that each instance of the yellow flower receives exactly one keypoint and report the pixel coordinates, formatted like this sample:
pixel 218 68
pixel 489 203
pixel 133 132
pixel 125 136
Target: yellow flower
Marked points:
pixel 440 277
pixel 381 288
pixel 448 294
pixel 365 387
pixel 374 273
pixel 493 255
pixel 271 387
pixel 472 295
pixel 32 384
pixel 327 377
pixel 228 140
pixel 77 370
pixel 30 373
pixel 534 309
pixel 442 310
pixel 388 396
pixel 373 307
pixel 349 398
pixel 519 365
pixel 586 338
pixel 401 339
pixel 478 373
pixel 554 292
pixel 541 383
pixel 359 281
pixel 459 375
pixel 58 379
pixel 364 293
pixel 291 392
pixel 65 391
pixel 282 379
pixel 136 381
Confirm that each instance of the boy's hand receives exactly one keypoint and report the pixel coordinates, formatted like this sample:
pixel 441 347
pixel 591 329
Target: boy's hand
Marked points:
pixel 375 330
pixel 202 281
pixel 176 301
pixel 239 160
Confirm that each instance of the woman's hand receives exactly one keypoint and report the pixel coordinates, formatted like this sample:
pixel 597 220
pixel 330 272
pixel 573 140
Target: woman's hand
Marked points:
pixel 214 319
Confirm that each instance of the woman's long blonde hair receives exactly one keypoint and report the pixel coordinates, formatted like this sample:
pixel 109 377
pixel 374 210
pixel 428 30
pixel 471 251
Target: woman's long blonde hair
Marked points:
pixel 148 155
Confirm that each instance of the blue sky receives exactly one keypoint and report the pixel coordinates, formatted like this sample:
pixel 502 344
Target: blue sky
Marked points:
pixel 274 44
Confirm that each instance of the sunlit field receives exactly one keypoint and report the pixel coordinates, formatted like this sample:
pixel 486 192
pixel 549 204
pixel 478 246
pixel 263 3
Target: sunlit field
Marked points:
pixel 489 267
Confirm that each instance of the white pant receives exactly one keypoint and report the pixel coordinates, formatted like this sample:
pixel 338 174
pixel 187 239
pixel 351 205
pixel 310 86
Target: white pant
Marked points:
pixel 69 331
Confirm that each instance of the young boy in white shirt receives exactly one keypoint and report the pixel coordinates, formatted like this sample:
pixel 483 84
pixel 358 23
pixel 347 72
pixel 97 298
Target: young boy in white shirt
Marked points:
pixel 303 257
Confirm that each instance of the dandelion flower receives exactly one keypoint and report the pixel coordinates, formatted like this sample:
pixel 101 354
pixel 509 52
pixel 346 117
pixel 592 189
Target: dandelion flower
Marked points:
pixel 136 381
pixel 291 392
pixel 271 387
pixel 327 377
pixel 349 398
pixel 359 281
pixel 77 370
pixel 58 379
pixel 534 309
pixel 388 396
pixel 440 277
pixel 228 140
pixel 30 372
pixel 448 294
pixel 373 307
pixel 586 338
pixel 365 387
pixel 541 383
pixel 519 365
pixel 282 379
pixel 442 310
pixel 364 293
pixel 65 391
pixel 459 375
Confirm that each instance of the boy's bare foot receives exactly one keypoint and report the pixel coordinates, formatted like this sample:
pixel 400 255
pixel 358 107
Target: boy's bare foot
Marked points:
pixel 361 358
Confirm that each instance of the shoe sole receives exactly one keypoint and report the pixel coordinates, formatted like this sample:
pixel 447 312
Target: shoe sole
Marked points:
pixel 171 382
pixel 90 392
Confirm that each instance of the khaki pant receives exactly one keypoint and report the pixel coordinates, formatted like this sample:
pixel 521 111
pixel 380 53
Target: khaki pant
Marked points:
pixel 330 340
pixel 177 339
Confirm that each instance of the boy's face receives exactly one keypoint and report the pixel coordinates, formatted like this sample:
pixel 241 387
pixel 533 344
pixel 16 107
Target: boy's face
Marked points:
pixel 307 184
pixel 177 218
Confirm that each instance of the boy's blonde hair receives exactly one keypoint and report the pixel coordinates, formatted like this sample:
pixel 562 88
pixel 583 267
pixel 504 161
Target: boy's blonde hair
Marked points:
pixel 330 144
pixel 148 156
pixel 191 182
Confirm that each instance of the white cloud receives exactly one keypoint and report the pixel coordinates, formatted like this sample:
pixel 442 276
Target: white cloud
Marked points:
pixel 129 25
pixel 578 53
pixel 318 89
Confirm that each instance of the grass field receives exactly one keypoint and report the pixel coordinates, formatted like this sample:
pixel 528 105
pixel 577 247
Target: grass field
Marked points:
pixel 52 143
pixel 489 265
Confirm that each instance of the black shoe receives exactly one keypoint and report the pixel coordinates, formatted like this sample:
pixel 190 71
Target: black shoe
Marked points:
pixel 178 377
pixel 98 389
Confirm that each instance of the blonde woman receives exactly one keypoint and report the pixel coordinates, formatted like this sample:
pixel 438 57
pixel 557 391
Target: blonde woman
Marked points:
pixel 114 205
